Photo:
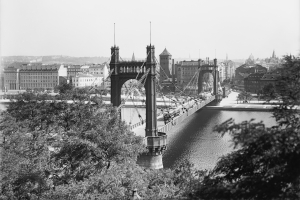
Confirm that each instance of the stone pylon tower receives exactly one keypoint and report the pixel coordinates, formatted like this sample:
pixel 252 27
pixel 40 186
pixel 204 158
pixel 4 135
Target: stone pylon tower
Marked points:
pixel 123 71
pixel 165 60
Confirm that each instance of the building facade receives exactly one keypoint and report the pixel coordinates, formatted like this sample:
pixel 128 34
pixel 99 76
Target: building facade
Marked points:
pixel 86 80
pixel 255 82
pixel 41 76
pixel 100 70
pixel 33 75
pixel 244 71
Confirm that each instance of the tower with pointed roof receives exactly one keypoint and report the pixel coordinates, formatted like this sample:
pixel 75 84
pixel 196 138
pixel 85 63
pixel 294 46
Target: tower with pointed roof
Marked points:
pixel 133 57
pixel 273 55
pixel 165 59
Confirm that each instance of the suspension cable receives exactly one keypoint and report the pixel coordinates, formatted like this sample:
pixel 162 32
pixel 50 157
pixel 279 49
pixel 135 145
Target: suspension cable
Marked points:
pixel 139 115
pixel 131 88
pixel 190 82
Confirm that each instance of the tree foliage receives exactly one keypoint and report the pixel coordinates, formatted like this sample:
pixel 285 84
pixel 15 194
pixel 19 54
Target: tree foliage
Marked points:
pixel 244 96
pixel 72 146
pixel 266 161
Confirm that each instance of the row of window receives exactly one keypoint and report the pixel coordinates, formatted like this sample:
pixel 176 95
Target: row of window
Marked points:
pixel 38 81
pixel 29 85
pixel 38 77
pixel 83 80
pixel 39 73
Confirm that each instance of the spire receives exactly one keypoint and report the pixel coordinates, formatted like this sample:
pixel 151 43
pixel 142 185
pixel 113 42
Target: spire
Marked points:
pixel 133 57
pixel 226 57
pixel 273 55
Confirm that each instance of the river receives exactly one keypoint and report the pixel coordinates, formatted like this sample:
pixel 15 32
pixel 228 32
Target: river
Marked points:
pixel 194 139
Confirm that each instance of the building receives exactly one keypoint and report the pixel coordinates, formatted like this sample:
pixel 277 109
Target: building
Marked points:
pixel 165 71
pixel 222 71
pixel 185 72
pixel 245 70
pixel 11 76
pixel 33 75
pixel 100 70
pixel 255 82
pixel 36 75
pixel 252 82
pixel 87 80
pixel 229 69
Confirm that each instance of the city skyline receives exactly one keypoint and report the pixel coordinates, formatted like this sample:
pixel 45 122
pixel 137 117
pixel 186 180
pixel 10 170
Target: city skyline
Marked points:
pixel 187 30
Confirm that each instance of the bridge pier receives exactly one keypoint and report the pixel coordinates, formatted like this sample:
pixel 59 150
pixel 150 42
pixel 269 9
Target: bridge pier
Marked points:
pixel 153 158
pixel 150 161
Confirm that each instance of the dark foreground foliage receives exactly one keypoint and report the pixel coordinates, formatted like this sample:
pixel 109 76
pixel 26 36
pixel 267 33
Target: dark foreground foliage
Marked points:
pixel 73 146
pixel 266 161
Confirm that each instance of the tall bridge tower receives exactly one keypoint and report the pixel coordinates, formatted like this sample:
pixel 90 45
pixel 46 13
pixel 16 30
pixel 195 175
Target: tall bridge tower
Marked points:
pixel 208 67
pixel 126 70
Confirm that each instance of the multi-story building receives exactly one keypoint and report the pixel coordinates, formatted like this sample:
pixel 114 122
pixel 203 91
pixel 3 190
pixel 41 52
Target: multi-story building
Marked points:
pixel 86 80
pixel 11 76
pixel 73 70
pixel 229 69
pixel 222 71
pixel 252 83
pixel 100 70
pixel 36 75
pixel 33 75
pixel 255 82
pixel 185 72
pixel 245 70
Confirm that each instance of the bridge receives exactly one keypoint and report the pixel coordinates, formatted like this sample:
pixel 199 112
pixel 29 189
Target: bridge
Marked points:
pixel 146 74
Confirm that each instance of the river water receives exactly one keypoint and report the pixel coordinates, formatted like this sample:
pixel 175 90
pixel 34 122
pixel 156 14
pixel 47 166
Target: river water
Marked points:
pixel 194 139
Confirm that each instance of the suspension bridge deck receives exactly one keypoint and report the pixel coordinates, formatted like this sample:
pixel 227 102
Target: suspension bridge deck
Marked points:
pixel 139 128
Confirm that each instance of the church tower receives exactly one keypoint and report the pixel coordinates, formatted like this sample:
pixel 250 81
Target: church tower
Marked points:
pixel 273 55
pixel 165 59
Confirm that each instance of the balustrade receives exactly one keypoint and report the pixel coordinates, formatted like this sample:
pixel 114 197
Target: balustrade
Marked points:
pixel 132 69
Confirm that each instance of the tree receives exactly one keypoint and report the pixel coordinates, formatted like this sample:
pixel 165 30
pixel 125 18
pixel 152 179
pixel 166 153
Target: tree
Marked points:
pixel 266 161
pixel 269 91
pixel 64 88
pixel 84 137
pixel 244 96
pixel 73 146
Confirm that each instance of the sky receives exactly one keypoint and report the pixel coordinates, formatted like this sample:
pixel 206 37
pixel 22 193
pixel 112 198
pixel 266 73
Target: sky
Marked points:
pixel 187 28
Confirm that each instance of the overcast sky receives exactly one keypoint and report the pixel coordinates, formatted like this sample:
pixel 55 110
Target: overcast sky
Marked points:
pixel 184 27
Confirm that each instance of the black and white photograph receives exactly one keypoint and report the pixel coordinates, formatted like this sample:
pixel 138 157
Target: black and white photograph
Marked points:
pixel 136 99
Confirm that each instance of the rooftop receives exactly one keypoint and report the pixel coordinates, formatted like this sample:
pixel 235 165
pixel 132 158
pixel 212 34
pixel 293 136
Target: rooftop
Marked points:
pixel 165 53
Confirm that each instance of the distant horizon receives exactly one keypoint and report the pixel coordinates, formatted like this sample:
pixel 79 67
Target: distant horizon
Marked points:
pixel 137 58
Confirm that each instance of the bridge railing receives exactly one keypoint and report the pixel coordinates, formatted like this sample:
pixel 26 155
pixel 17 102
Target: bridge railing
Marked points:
pixel 135 125
pixel 183 116
pixel 179 119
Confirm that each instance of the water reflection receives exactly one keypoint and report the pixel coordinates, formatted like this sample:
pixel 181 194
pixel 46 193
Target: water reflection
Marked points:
pixel 195 140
